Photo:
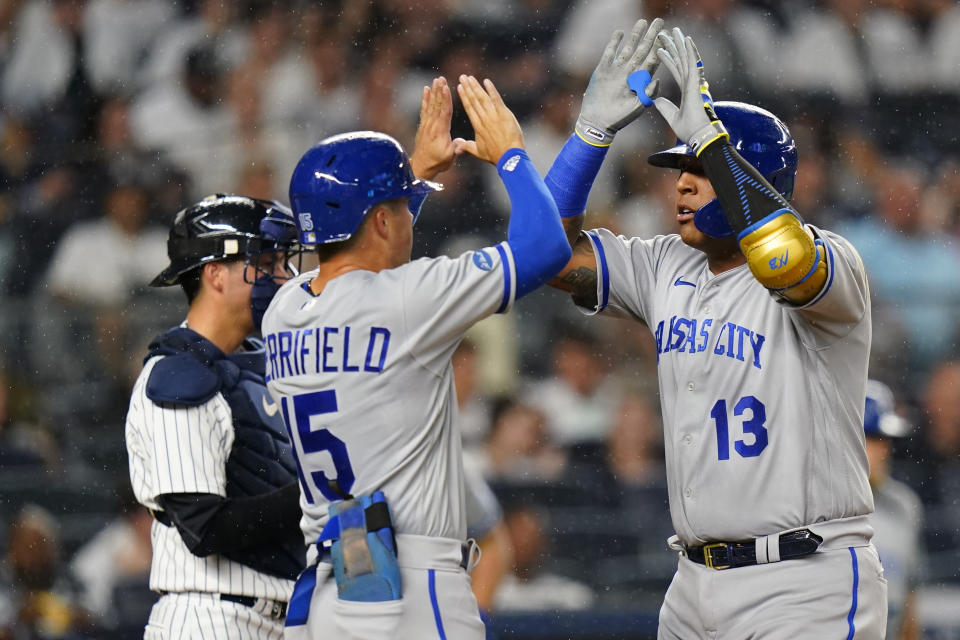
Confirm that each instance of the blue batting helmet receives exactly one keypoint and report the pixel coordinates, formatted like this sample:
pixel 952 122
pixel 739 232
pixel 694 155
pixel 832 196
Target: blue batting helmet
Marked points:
pixel 340 178
pixel 880 420
pixel 761 138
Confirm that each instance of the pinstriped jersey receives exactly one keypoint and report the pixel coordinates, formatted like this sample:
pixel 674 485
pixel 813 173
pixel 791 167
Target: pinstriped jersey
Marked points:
pixel 762 401
pixel 184 449
pixel 362 374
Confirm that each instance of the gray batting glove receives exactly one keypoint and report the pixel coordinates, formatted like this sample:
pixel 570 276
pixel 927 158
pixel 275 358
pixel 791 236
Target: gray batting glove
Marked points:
pixel 694 121
pixel 621 86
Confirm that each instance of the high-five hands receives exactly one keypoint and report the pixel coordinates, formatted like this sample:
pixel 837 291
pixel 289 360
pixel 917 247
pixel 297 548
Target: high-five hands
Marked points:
pixel 693 121
pixel 434 150
pixel 621 86
pixel 495 128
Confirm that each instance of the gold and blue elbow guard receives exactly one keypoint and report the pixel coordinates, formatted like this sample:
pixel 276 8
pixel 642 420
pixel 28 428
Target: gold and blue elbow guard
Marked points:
pixel 784 256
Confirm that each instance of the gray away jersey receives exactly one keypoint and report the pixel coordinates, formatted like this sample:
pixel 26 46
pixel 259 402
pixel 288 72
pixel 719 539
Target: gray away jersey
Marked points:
pixel 762 402
pixel 363 377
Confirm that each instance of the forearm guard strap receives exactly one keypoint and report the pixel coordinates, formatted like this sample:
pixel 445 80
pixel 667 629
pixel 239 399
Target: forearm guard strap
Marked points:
pixel 744 194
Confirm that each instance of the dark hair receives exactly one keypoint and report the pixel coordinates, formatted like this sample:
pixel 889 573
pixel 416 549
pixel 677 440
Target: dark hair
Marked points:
pixel 328 251
pixel 190 280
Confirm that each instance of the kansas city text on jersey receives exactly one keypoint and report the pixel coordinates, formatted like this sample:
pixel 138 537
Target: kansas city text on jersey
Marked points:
pixel 326 350
pixel 732 340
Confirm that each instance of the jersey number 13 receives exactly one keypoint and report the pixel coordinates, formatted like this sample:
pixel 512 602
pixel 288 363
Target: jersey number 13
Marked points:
pixel 752 416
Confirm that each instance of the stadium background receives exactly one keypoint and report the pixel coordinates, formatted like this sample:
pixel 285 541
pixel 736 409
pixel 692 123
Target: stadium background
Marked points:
pixel 116 113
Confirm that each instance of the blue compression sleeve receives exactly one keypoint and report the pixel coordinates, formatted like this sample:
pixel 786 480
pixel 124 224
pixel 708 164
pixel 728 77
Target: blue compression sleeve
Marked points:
pixel 572 174
pixel 535 234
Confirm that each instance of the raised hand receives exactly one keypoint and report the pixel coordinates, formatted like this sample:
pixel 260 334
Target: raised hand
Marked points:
pixel 694 121
pixel 495 128
pixel 434 150
pixel 621 86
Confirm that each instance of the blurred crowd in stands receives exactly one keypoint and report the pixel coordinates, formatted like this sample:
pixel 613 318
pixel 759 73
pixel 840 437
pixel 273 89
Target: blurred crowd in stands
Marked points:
pixel 117 113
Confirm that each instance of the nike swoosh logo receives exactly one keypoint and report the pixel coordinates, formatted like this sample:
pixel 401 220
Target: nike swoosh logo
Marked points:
pixel 679 281
pixel 271 408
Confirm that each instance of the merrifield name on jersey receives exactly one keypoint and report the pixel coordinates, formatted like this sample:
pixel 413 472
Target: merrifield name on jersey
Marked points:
pixel 326 350
pixel 687 335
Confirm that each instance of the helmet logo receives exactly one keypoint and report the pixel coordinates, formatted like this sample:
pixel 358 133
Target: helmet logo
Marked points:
pixel 482 260
pixel 306 222
pixel 231 246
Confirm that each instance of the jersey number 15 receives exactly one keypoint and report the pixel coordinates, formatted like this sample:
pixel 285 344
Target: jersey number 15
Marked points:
pixel 305 406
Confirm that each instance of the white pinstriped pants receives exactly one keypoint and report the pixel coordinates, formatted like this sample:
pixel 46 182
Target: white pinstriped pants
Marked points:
pixel 195 616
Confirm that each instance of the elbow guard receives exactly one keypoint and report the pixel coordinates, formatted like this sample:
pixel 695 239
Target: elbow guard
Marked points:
pixel 784 257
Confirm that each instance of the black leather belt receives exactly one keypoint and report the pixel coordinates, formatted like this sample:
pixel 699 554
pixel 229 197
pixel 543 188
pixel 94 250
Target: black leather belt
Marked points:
pixel 270 608
pixel 729 555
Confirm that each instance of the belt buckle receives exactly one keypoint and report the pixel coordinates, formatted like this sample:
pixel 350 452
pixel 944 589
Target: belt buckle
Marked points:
pixel 278 610
pixel 708 557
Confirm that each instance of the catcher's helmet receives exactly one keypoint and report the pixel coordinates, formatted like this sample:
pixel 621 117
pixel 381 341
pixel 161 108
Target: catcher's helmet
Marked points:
pixel 340 178
pixel 220 227
pixel 761 138
pixel 880 420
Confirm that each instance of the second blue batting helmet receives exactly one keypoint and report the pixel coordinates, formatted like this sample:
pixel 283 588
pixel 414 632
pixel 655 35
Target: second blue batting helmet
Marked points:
pixel 761 138
pixel 880 419
pixel 340 178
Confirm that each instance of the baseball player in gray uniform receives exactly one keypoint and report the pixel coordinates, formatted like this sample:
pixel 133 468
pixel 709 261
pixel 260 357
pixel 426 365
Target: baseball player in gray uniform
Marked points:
pixel 208 452
pixel 898 516
pixel 762 328
pixel 359 361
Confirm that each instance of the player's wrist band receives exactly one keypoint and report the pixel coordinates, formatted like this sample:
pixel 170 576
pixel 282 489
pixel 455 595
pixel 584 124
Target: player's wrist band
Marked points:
pixel 703 137
pixel 592 134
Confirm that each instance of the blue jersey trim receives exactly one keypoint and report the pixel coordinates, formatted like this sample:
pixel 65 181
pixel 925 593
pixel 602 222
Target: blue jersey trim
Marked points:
pixel 432 579
pixel 853 605
pixel 830 269
pixel 507 281
pixel 299 608
pixel 306 287
pixel 604 270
